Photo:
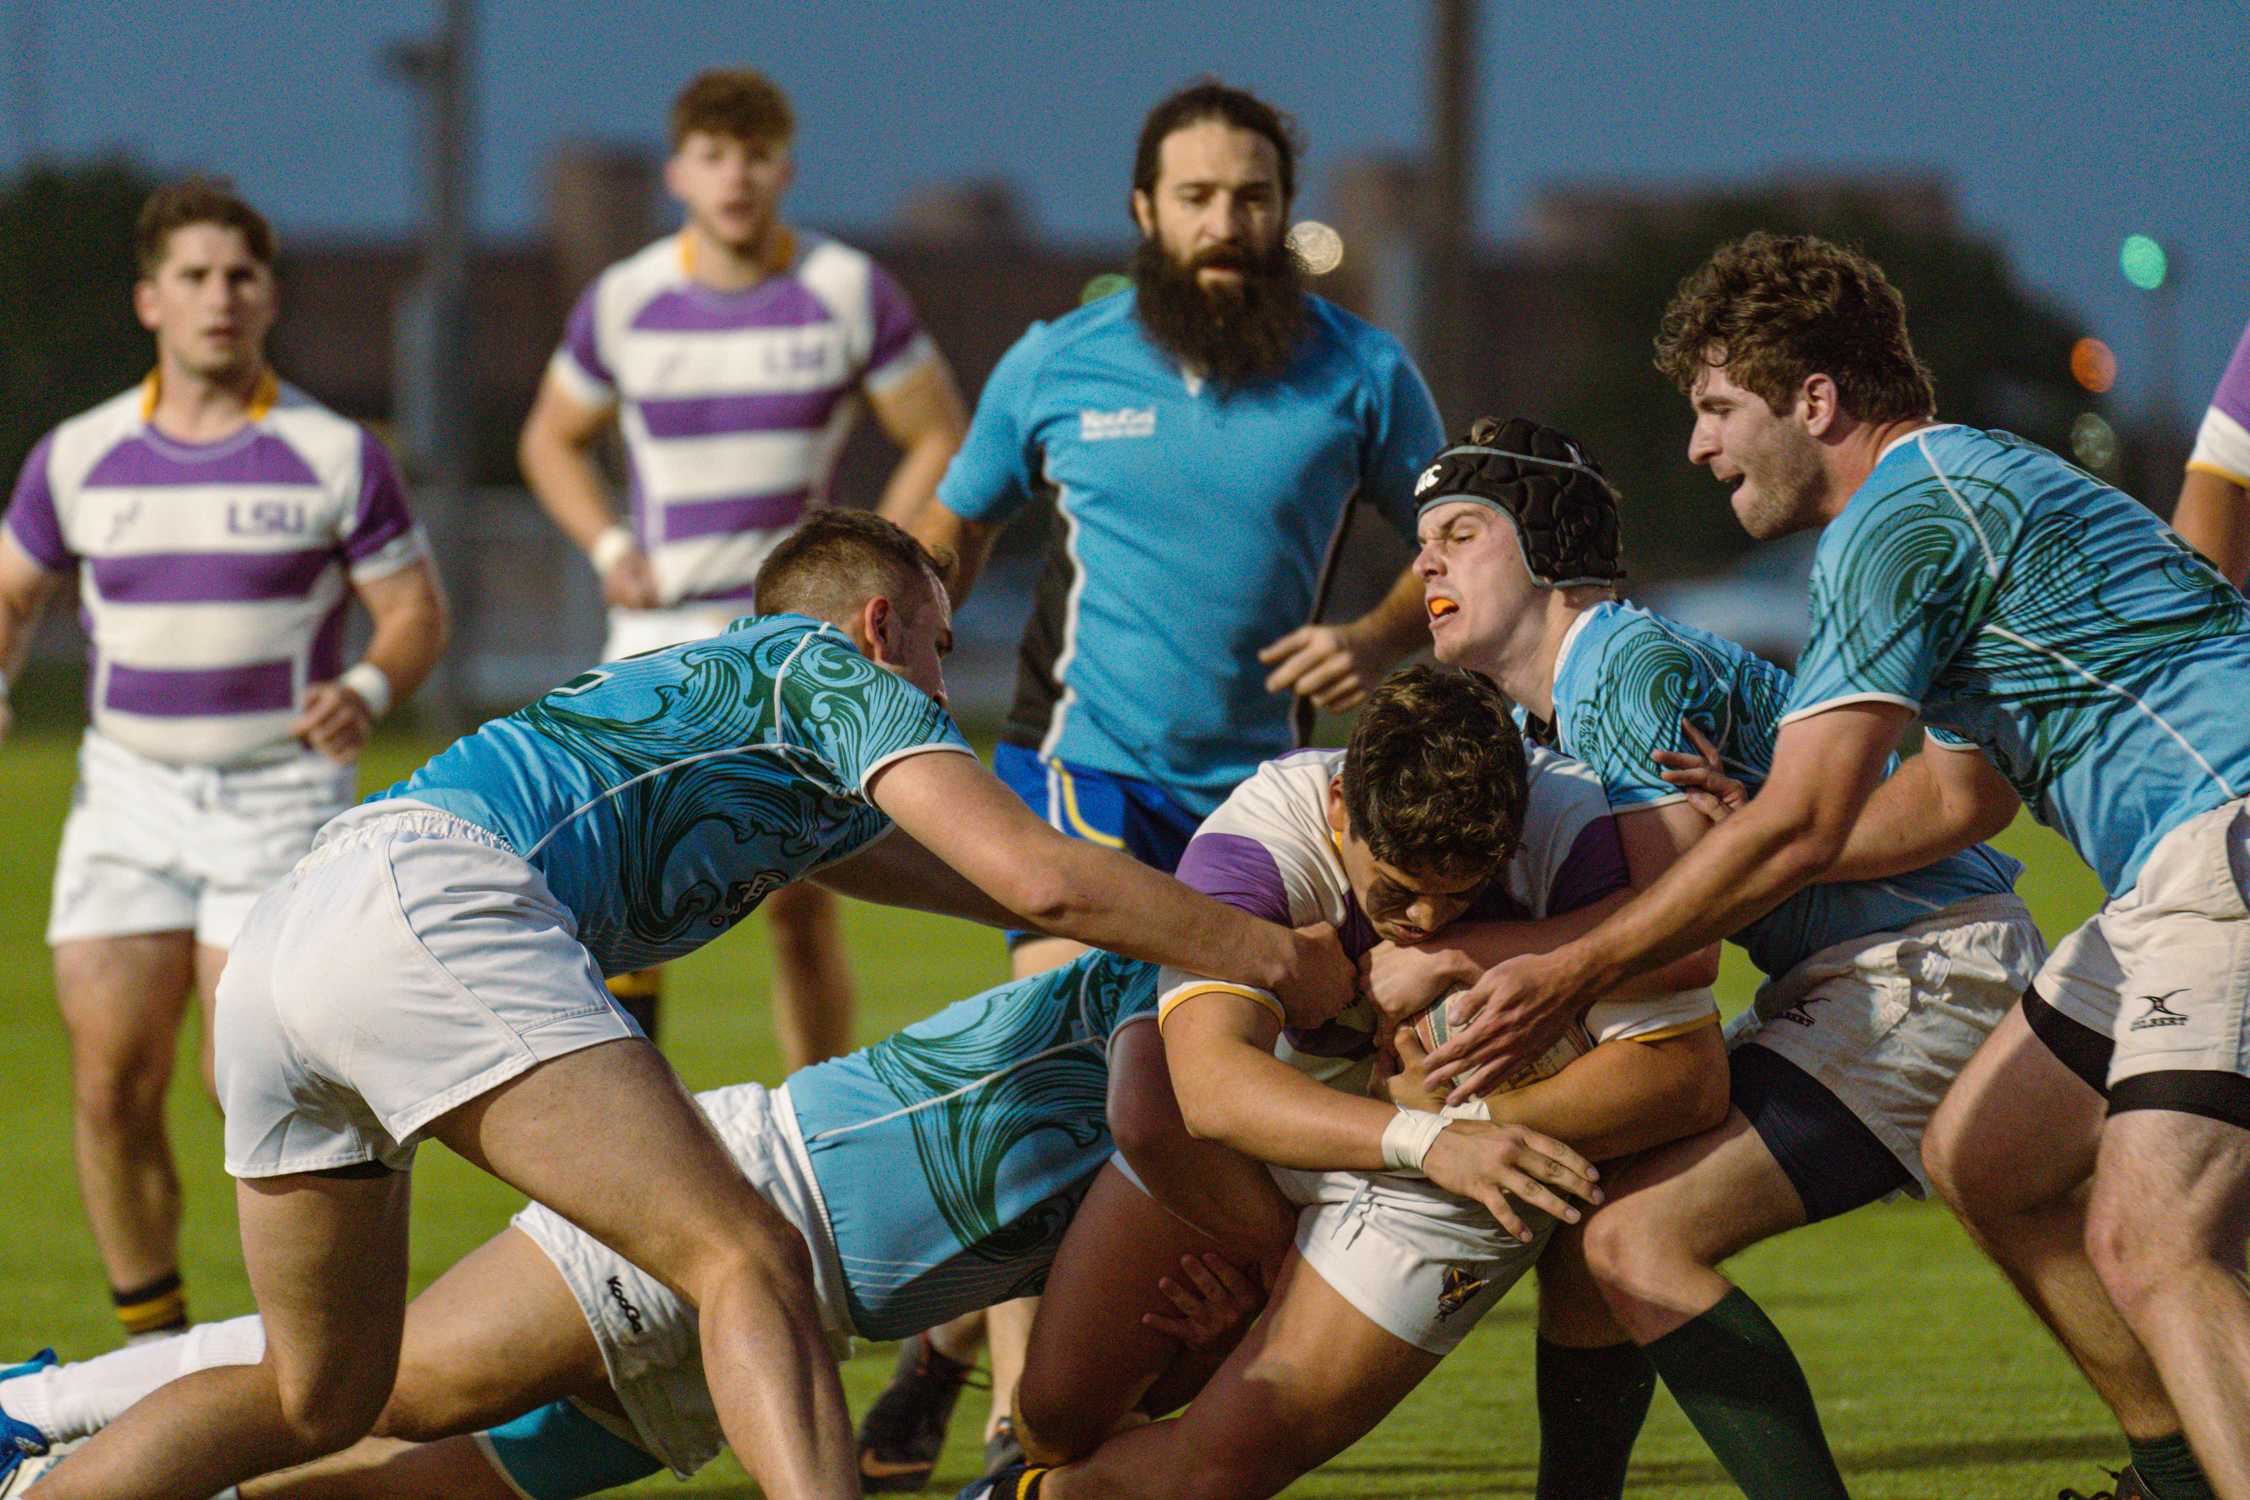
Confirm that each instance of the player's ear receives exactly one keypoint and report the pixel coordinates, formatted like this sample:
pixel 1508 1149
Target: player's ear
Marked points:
pixel 1820 403
pixel 1144 212
pixel 144 302
pixel 870 628
pixel 1339 816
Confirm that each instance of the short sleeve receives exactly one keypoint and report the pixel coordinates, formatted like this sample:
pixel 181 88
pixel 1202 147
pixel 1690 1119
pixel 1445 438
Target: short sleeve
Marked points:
pixel 1594 867
pixel 1896 589
pixel 1238 871
pixel 32 518
pixel 2222 444
pixel 990 479
pixel 1404 433
pixel 897 345
pixel 1946 739
pixel 1647 681
pixel 382 537
pixel 856 716
pixel 578 363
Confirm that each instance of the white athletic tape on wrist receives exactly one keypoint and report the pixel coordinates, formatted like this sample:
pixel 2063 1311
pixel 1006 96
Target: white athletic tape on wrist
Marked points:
pixel 1408 1138
pixel 374 689
pixel 612 547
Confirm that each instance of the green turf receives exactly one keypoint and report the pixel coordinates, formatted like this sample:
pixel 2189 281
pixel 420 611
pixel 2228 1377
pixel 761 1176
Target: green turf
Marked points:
pixel 1932 1379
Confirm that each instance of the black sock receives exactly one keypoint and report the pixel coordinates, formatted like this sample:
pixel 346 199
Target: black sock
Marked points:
pixel 1733 1374
pixel 2167 1466
pixel 1591 1406
pixel 152 1310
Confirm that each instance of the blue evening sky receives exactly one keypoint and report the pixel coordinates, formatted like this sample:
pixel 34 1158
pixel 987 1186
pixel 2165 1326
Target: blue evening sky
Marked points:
pixel 2063 125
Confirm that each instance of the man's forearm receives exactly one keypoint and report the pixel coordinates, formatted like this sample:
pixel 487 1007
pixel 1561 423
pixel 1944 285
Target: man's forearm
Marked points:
pixel 1914 819
pixel 2213 517
pixel 1113 901
pixel 1233 1093
pixel 409 637
pixel 1626 1096
pixel 569 487
pixel 914 478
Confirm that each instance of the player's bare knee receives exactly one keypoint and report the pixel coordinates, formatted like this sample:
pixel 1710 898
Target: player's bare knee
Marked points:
pixel 1630 1248
pixel 119 1094
pixel 329 1411
pixel 2139 1254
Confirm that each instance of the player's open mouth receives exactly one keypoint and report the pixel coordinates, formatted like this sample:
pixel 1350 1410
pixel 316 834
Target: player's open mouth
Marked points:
pixel 1439 606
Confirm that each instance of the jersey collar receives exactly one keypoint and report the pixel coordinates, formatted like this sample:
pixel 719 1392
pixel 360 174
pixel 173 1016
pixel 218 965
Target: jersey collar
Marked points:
pixel 262 396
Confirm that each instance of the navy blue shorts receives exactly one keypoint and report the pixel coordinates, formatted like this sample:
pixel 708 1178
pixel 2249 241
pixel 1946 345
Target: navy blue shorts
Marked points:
pixel 1117 812
pixel 1828 1154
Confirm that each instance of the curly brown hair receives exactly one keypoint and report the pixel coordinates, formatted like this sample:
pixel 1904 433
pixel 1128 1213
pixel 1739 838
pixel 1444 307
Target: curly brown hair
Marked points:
pixel 1434 778
pixel 198 200
pixel 739 102
pixel 1777 309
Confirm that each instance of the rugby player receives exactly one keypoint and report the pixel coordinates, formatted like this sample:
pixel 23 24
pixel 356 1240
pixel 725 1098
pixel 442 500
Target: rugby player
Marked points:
pixel 219 522
pixel 1202 436
pixel 433 969
pixel 2070 654
pixel 2213 515
pixel 1876 995
pixel 1434 814
pixel 731 356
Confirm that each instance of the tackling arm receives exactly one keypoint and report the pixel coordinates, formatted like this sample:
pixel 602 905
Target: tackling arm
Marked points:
pixel 1102 897
pixel 922 414
pixel 897 871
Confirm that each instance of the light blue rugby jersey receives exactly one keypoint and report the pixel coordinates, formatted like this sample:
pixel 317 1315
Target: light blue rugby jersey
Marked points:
pixel 2026 609
pixel 1625 679
pixel 951 1156
pixel 664 796
pixel 1193 522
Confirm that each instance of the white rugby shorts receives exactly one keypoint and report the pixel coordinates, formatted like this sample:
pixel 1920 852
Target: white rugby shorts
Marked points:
pixel 1887 1021
pixel 154 847
pixel 1416 1261
pixel 632 631
pixel 2163 971
pixel 647 1335
pixel 408 964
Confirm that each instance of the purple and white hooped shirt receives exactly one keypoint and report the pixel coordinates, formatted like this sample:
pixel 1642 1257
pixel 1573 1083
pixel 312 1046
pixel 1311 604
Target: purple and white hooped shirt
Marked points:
pixel 213 577
pixel 2222 445
pixel 734 405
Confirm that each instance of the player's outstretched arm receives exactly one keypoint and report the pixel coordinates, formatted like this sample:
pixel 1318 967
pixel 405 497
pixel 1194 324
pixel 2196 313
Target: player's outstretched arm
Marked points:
pixel 897 871
pixel 25 588
pixel 1233 1090
pixel 1939 802
pixel 1101 897
pixel 1825 768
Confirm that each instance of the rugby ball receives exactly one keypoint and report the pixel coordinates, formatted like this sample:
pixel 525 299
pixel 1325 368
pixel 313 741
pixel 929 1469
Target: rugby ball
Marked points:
pixel 1433 1027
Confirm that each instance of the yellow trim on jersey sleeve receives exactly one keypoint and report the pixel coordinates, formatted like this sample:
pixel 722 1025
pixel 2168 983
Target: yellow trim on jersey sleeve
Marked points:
pixel 1666 1033
pixel 2205 466
pixel 1085 829
pixel 1186 992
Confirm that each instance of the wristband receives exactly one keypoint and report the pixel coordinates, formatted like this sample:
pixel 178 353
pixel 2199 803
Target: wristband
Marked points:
pixel 612 547
pixel 374 689
pixel 1408 1138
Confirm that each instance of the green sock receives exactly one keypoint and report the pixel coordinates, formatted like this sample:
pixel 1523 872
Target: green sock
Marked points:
pixel 2168 1466
pixel 1591 1406
pixel 1732 1373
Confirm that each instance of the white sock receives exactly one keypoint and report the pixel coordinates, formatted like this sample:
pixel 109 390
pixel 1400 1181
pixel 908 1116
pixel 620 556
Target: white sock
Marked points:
pixel 79 1399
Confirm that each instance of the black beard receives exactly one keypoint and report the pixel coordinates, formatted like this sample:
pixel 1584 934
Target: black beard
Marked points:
pixel 1232 337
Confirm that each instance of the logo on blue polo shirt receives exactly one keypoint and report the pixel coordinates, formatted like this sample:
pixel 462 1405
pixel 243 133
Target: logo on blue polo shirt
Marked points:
pixel 1125 422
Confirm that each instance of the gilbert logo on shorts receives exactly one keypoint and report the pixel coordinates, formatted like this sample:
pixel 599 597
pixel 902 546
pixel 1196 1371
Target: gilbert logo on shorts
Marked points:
pixel 1125 422
pixel 2159 1014
pixel 1459 1287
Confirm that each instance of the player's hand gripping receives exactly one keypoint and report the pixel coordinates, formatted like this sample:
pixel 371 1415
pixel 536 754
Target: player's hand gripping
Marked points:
pixel 1323 979
pixel 333 721
pixel 1500 1165
pixel 1401 981
pixel 1401 1075
pixel 1710 790
pixel 630 582
pixel 1509 1016
pixel 1213 1297
pixel 1331 664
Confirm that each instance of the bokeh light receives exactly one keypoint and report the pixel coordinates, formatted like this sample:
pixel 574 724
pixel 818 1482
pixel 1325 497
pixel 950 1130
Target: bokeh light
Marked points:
pixel 2093 365
pixel 2094 442
pixel 1108 284
pixel 1318 246
pixel 2143 261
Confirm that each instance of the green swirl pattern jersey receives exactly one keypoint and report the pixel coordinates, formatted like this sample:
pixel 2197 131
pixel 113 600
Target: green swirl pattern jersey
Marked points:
pixel 951 1156
pixel 2030 611
pixel 664 796
pixel 1625 679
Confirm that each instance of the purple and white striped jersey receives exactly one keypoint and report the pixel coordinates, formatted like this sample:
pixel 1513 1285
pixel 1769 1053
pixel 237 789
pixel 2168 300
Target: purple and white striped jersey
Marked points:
pixel 2222 446
pixel 1269 851
pixel 212 576
pixel 734 405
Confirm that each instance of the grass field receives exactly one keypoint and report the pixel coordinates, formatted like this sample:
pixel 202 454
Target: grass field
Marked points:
pixel 1932 1378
